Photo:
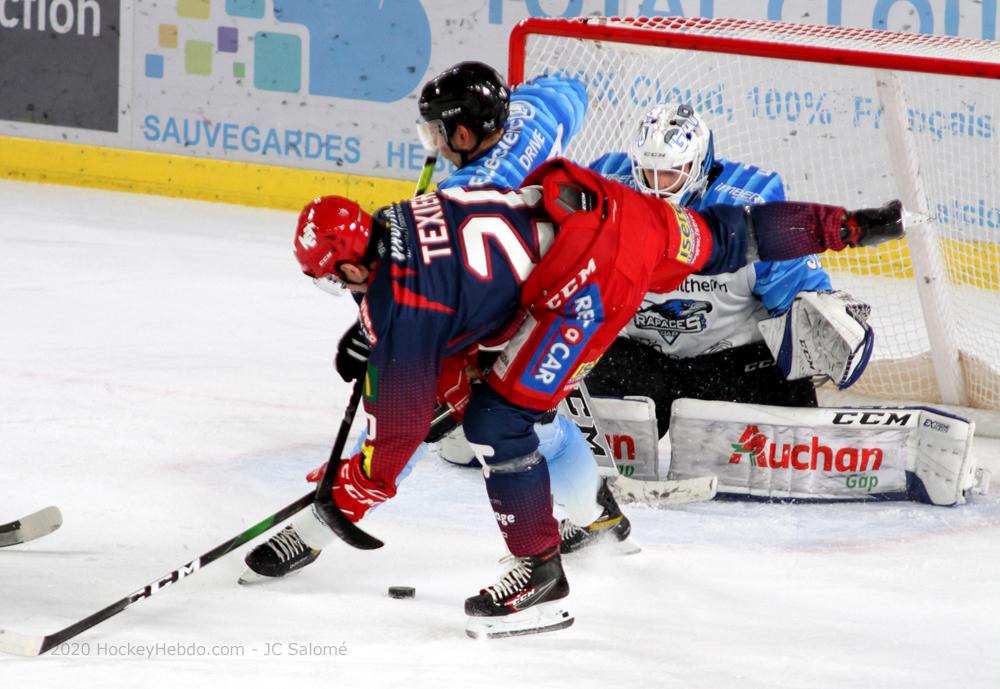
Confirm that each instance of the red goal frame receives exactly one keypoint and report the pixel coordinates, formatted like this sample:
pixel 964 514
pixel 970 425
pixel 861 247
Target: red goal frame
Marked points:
pixel 942 54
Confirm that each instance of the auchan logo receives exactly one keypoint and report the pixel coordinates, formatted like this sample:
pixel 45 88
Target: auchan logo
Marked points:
pixel 801 457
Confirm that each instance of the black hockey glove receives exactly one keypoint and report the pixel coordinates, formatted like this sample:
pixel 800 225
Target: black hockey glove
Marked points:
pixel 352 354
pixel 871 226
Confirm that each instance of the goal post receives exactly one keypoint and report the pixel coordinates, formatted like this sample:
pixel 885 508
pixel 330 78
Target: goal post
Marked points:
pixel 846 116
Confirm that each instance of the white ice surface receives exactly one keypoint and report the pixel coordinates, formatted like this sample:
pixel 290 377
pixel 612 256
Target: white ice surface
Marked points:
pixel 165 379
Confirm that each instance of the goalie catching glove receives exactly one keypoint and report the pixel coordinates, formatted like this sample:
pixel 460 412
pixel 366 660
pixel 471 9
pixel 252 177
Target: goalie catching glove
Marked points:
pixel 822 334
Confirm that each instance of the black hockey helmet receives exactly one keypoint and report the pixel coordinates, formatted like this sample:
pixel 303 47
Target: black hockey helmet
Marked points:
pixel 470 93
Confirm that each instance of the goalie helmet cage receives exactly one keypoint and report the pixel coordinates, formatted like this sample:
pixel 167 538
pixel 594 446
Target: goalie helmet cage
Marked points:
pixel 846 116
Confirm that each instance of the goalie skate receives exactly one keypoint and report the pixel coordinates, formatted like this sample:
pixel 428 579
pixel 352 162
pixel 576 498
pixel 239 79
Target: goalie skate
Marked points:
pixel 279 556
pixel 528 599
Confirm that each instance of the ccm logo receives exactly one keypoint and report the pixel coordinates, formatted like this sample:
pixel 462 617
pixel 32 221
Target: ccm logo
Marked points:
pixel 870 418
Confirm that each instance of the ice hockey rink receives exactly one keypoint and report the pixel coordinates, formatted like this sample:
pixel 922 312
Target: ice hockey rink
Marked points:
pixel 166 380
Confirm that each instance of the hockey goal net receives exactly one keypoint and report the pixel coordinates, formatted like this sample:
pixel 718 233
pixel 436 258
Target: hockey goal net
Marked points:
pixel 847 116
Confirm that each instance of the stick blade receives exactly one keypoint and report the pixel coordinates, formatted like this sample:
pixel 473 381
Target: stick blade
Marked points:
pixel 35 525
pixel 349 532
pixel 663 493
pixel 20 644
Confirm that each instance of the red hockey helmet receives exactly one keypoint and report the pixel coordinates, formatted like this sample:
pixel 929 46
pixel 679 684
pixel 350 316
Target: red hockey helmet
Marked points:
pixel 332 230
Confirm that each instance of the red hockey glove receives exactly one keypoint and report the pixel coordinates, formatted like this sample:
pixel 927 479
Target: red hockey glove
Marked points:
pixel 455 381
pixel 353 492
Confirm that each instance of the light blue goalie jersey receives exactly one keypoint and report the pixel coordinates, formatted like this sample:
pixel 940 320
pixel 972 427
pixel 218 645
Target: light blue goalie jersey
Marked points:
pixel 711 313
pixel 545 114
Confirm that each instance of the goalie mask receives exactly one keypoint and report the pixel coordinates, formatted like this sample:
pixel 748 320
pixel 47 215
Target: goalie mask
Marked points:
pixel 672 153
pixel 331 231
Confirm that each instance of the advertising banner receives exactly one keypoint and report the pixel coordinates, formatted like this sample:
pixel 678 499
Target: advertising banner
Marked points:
pixel 327 85
pixel 59 62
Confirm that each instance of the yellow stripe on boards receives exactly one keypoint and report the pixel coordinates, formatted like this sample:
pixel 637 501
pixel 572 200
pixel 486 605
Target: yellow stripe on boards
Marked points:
pixel 206 179
pixel 968 262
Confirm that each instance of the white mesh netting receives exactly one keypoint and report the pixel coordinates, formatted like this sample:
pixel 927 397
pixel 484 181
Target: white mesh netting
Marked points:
pixel 823 127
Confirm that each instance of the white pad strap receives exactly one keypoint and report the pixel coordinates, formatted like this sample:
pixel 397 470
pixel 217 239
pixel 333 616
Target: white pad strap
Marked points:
pixel 822 334
pixel 840 453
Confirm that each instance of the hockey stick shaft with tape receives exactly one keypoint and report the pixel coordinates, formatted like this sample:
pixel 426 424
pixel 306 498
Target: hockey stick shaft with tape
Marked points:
pixel 34 645
pixel 326 508
pixel 426 173
pixel 27 645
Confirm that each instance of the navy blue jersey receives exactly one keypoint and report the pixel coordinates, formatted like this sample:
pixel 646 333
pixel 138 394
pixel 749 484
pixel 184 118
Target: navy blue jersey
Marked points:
pixel 545 113
pixel 450 275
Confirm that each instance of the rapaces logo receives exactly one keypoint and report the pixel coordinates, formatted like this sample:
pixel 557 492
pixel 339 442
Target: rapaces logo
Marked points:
pixel 674 317
pixel 814 456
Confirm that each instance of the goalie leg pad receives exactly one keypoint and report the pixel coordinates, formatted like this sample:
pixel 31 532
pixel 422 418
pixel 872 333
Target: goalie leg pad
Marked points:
pixel 630 427
pixel 839 453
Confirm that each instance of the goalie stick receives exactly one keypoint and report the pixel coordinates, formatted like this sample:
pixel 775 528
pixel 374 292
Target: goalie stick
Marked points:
pixel 661 493
pixel 579 408
pixel 35 525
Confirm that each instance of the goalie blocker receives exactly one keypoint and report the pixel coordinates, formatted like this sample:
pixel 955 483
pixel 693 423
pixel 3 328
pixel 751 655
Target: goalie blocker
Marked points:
pixel 834 453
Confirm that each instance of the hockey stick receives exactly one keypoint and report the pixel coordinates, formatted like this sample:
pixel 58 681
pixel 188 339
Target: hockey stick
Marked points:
pixel 661 493
pixel 28 645
pixel 579 408
pixel 426 173
pixel 35 525
pixel 325 507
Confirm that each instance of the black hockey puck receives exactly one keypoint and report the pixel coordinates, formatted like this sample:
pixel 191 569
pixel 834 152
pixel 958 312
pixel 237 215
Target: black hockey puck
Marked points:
pixel 402 592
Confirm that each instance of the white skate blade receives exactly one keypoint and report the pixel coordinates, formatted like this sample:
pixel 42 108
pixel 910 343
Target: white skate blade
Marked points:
pixel 251 578
pixel 627 547
pixel 538 619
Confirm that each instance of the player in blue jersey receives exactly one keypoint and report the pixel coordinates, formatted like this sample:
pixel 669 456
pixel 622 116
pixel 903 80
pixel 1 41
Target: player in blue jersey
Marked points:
pixel 703 339
pixel 493 135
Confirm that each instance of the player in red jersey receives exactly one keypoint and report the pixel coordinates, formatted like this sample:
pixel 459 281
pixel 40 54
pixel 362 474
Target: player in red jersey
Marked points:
pixel 554 270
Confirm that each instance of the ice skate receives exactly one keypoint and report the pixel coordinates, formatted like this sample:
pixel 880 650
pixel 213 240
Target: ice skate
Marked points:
pixel 277 557
pixel 611 527
pixel 529 599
